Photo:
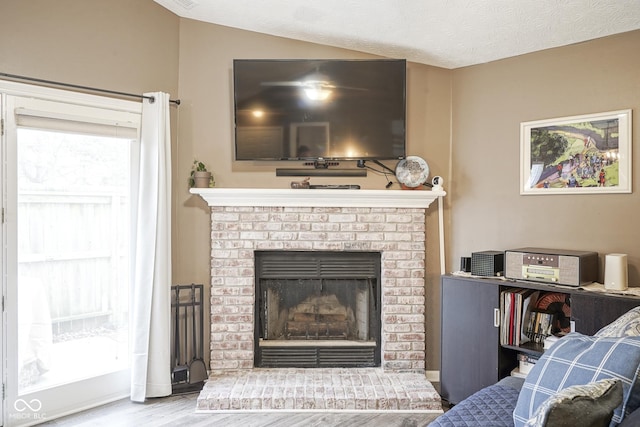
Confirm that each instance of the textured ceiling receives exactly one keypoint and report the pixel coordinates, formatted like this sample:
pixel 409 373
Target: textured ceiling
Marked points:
pixel 443 33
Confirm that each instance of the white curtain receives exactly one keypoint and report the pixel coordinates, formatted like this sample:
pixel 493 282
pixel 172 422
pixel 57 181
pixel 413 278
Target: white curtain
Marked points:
pixel 151 299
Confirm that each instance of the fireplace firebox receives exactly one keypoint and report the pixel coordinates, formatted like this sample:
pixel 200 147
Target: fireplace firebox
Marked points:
pixel 317 309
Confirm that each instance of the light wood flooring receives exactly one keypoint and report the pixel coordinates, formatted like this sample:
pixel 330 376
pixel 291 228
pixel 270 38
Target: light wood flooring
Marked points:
pixel 179 410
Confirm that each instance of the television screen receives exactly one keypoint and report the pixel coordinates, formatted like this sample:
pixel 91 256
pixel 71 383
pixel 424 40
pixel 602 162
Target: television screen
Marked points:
pixel 319 109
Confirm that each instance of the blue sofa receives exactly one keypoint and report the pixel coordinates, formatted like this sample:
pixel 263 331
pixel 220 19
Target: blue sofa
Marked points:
pixel 580 381
pixel 492 406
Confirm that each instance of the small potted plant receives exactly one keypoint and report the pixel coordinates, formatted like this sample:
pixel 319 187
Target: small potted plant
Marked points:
pixel 200 177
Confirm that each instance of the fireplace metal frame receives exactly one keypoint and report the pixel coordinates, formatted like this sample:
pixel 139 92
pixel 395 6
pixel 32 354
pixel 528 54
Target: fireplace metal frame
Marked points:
pixel 318 265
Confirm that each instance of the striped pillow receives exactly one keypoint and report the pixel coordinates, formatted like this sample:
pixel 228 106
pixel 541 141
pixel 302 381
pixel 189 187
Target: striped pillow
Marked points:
pixel 578 359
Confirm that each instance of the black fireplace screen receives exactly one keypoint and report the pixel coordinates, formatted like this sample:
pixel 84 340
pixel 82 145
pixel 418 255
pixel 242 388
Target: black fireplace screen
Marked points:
pixel 315 303
pixel 318 309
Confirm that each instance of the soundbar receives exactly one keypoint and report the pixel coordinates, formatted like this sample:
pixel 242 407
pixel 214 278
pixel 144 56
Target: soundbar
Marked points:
pixel 321 172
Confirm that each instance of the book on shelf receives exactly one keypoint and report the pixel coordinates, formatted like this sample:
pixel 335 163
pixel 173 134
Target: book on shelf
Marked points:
pixel 540 325
pixel 526 362
pixel 528 316
pixel 515 308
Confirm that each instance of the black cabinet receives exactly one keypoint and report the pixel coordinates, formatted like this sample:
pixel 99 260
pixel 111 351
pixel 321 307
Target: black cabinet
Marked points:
pixel 471 355
pixel 591 312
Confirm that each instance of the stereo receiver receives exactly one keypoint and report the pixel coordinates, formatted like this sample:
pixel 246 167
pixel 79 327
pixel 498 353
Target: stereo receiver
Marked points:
pixel 561 267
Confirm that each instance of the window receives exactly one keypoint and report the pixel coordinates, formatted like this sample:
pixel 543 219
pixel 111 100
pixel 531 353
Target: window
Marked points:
pixel 68 189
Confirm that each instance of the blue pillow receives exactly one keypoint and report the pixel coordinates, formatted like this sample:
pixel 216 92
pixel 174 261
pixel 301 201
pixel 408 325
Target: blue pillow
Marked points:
pixel 627 325
pixel 578 359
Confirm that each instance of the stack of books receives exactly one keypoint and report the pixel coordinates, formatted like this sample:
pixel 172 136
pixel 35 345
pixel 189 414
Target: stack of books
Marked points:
pixel 525 364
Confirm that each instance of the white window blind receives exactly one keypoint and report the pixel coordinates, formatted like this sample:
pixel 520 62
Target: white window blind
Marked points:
pixel 79 120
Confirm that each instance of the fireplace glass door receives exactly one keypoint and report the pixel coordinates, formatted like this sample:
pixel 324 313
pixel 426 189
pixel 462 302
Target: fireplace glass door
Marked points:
pixel 318 309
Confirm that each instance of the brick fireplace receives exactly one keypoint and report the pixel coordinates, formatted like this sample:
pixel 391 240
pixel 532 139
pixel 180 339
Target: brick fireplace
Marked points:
pixel 245 221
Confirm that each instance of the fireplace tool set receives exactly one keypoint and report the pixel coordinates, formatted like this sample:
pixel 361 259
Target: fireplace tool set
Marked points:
pixel 188 369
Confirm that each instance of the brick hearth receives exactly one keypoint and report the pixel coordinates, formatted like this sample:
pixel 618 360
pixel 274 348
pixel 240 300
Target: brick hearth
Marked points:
pixel 356 389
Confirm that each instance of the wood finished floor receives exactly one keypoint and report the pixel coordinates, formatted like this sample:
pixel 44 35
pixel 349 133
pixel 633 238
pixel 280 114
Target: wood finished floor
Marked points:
pixel 179 410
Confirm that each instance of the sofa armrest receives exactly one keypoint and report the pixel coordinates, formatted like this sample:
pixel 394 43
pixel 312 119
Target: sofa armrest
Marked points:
pixel 490 407
pixel 513 382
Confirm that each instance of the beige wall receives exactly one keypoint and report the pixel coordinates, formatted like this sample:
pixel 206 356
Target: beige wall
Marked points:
pixel 489 103
pixel 122 45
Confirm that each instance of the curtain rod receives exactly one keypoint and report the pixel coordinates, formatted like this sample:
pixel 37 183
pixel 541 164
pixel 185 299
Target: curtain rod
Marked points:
pixel 94 89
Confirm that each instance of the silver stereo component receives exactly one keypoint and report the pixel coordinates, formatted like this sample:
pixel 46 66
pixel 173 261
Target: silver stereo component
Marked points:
pixel 562 267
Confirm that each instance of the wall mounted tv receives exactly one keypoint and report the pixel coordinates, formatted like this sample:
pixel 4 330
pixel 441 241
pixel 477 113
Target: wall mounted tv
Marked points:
pixel 319 109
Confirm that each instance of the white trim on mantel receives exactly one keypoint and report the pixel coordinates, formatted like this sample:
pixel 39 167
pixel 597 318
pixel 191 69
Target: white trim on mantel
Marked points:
pixel 318 197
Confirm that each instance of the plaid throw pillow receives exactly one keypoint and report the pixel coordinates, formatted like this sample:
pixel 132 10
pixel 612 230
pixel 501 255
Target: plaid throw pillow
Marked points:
pixel 627 325
pixel 578 359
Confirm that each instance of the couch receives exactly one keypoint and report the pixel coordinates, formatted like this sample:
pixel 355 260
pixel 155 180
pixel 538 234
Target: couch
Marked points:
pixel 581 381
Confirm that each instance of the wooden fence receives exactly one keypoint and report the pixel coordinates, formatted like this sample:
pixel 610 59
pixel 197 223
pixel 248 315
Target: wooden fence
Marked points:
pixel 77 246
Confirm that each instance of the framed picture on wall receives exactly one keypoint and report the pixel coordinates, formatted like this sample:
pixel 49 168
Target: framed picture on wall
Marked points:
pixel 579 154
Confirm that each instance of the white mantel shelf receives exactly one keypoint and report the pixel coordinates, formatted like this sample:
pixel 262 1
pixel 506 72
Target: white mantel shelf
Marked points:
pixel 318 197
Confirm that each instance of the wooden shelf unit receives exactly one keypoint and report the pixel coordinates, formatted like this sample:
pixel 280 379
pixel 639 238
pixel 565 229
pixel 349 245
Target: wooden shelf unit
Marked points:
pixel 471 355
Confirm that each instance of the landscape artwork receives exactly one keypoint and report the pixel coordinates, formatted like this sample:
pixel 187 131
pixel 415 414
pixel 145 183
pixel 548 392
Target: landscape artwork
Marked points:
pixel 579 154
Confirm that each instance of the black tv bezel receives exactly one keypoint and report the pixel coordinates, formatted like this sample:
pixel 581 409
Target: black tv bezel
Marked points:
pixel 311 160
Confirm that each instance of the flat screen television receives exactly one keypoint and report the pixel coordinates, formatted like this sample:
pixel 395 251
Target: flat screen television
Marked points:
pixel 319 109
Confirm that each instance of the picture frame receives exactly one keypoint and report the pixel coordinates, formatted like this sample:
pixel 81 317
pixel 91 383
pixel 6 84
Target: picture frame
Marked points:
pixel 582 154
